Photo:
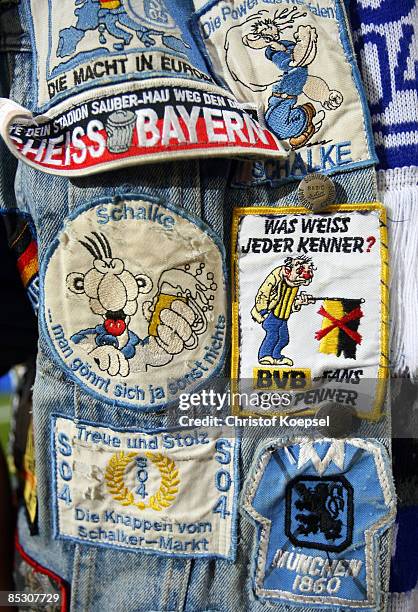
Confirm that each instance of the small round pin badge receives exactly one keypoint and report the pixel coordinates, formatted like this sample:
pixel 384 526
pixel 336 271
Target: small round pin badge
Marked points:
pixel 316 191
pixel 342 420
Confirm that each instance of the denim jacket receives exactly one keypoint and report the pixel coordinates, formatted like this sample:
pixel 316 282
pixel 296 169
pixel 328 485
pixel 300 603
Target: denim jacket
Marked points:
pixel 117 112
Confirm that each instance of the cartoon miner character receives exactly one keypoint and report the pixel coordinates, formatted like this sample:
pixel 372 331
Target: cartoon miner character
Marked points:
pixel 284 117
pixel 275 301
pixel 113 293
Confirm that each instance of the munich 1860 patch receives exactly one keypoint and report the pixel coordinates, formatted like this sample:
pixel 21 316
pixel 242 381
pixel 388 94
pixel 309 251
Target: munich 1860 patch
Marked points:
pixel 165 492
pixel 320 508
pixel 134 301
pixel 310 305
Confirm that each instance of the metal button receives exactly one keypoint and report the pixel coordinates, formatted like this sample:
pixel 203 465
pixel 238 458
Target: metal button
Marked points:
pixel 343 420
pixel 316 191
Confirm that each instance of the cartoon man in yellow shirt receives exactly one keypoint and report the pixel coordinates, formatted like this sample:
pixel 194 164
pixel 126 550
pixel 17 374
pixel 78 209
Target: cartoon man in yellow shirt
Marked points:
pixel 276 299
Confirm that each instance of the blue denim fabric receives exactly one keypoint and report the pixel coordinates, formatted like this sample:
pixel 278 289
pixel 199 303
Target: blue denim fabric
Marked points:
pixel 109 579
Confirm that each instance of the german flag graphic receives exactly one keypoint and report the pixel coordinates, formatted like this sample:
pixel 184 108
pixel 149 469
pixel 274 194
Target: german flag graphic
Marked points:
pixel 339 332
pixel 27 263
pixel 25 249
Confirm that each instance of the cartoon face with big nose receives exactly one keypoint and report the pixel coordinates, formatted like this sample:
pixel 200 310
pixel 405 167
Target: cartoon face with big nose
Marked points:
pixel 113 293
pixel 298 271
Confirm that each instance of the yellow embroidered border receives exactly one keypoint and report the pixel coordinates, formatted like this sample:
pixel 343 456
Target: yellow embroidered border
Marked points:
pixel 238 213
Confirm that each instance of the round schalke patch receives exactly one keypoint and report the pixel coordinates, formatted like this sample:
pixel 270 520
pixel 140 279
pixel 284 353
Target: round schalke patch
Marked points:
pixel 134 301
pixel 316 191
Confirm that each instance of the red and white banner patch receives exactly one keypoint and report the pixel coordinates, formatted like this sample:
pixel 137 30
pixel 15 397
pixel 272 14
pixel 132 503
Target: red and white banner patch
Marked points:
pixel 133 125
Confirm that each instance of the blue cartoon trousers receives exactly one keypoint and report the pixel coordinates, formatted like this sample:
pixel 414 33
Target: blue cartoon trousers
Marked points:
pixel 276 338
pixel 283 119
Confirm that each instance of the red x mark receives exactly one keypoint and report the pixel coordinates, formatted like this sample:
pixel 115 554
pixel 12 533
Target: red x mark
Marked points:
pixel 357 313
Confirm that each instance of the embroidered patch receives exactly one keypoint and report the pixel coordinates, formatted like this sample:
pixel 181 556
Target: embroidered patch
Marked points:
pixel 129 126
pixel 22 442
pixel 320 508
pixel 90 42
pixel 29 477
pixel 328 342
pixel 117 85
pixel 23 243
pixel 166 492
pixel 130 326
pixel 34 579
pixel 299 68
pixel 319 512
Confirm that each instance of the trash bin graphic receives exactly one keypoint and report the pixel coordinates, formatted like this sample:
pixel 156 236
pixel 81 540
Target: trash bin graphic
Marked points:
pixel 120 130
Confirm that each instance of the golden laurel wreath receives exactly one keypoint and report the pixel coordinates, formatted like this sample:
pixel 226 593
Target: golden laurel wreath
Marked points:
pixel 165 495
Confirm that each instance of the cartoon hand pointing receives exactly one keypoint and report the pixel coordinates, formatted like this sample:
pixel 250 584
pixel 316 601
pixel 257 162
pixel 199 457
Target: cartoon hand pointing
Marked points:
pixel 110 360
